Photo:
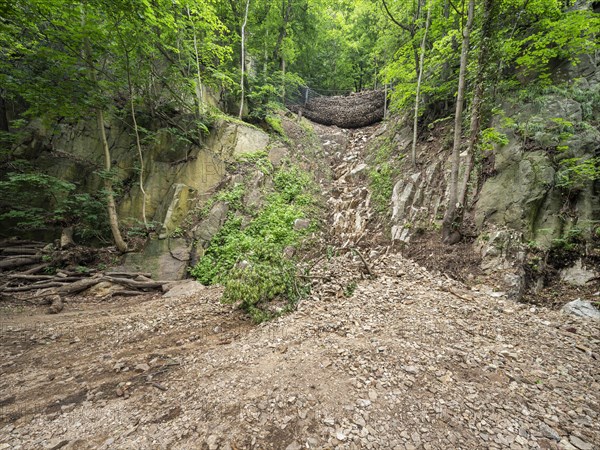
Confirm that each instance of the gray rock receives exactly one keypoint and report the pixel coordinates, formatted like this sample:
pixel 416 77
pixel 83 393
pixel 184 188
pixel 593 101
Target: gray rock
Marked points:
pixel 211 225
pixel 577 275
pixel 166 259
pixel 582 308
pixel 581 445
pixel 184 288
pixel 277 156
pixel 301 224
pixel 549 433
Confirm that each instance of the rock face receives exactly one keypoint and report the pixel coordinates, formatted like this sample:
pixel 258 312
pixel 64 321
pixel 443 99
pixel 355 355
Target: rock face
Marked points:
pixel 175 173
pixel 231 140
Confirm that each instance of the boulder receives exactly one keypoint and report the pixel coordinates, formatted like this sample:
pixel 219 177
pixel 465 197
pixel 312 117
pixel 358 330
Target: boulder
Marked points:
pixel 277 155
pixel 582 308
pixel 166 259
pixel 577 275
pixel 184 288
pixel 232 140
pixel 301 224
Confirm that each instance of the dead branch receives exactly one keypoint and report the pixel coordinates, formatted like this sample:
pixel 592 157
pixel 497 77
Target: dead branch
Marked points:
pixel 135 284
pixel 364 261
pixel 128 274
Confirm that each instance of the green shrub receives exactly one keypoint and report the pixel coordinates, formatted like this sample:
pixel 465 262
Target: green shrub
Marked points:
pixel 249 261
pixel 381 182
pixel 575 173
pixel 36 201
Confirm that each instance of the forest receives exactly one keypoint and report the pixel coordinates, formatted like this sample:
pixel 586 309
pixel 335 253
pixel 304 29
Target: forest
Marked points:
pixel 64 60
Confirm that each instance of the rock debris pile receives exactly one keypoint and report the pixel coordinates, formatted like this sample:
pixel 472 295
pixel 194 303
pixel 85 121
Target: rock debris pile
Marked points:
pixel 356 110
pixel 402 360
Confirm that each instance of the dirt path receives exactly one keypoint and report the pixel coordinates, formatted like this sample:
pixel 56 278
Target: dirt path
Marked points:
pixel 401 360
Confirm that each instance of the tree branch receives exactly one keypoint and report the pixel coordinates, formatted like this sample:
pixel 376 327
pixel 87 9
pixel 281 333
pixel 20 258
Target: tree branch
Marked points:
pixel 401 25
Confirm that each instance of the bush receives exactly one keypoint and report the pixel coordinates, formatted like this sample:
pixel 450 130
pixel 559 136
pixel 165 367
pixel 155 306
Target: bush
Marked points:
pixel 249 261
pixel 35 201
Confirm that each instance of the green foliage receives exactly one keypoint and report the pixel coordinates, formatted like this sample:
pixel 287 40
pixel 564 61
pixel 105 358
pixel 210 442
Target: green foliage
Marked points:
pixel 561 36
pixel 574 174
pixel 249 260
pixel 275 123
pixel 233 197
pixel 569 242
pixel 383 172
pixel 350 288
pixel 259 159
pixel 35 201
pixel 490 138
pixel 381 183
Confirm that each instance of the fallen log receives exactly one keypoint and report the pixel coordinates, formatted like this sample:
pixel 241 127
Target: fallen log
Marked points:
pixel 23 276
pixel 127 293
pixel 135 284
pixel 35 269
pixel 128 274
pixel 20 251
pixel 78 286
pixel 32 287
pixel 12 242
pixel 18 262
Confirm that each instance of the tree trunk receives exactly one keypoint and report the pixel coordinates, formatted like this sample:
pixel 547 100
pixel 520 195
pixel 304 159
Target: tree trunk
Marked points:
pixel 486 30
pixel 111 207
pixel 199 95
pixel 285 18
pixel 448 224
pixel 421 61
pixel 243 66
pixel 3 115
pixel 137 138
pixel 113 219
pixel 66 238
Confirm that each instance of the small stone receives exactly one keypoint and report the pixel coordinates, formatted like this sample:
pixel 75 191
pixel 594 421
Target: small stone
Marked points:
pixel 212 442
pixel 67 408
pixel 372 395
pixel 301 224
pixel 294 446
pixel 142 367
pixel 54 444
pixel 549 433
pixel 581 445
pixel 329 421
pixel 410 369
pixel 340 436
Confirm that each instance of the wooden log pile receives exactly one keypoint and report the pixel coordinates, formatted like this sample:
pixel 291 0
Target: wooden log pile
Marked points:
pixel 23 273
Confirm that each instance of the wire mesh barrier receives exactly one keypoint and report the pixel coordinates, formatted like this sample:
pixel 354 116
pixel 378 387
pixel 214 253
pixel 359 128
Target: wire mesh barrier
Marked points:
pixel 341 108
